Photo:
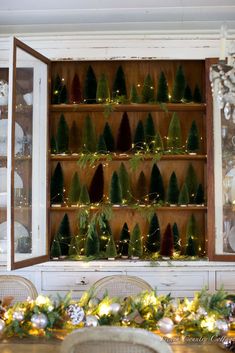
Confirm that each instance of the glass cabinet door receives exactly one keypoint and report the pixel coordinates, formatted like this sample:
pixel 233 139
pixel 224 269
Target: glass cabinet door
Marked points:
pixel 27 172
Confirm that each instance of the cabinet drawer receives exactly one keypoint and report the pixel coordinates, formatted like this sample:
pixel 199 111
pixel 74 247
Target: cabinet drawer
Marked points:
pixel 65 281
pixel 225 279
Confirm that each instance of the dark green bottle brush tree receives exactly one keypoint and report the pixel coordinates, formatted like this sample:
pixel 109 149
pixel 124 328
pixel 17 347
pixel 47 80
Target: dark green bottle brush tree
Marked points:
pixel 96 190
pixel 172 190
pixel 199 198
pixel 57 185
pixel 57 86
pixel 84 198
pixel 197 97
pixel 150 132
pixel 64 235
pixel 188 97
pixel 190 247
pixel 148 90
pixel 124 241
pixel 111 250
pixel 92 246
pixel 174 137
pixel 63 95
pixel 183 196
pixel 101 145
pixel 119 85
pixel 76 93
pixel 102 93
pixel 124 180
pixel 124 140
pixel 193 138
pixel 139 137
pixel 135 249
pixel 176 238
pixel 192 232
pixel 62 137
pixel 142 189
pixel 153 239
pixel 108 138
pixel 179 85
pixel 104 233
pixel 53 145
pixel 115 194
pixel 55 252
pixel 134 97
pixel 192 183
pixel 75 246
pixel 74 190
pixel 167 245
pixel 89 135
pixel 74 138
pixel 162 89
pixel 156 190
pixel 90 86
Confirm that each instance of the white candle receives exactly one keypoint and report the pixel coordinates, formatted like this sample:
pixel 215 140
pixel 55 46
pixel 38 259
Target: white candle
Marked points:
pixel 223 33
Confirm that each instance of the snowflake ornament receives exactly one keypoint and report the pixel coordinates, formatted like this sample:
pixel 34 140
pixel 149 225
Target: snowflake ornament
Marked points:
pixel 75 313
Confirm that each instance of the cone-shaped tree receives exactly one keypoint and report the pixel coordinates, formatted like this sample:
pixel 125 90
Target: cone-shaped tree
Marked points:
pixel 73 138
pixel 150 131
pixel 125 183
pixel 101 145
pixel 102 93
pixel 199 198
pixel 89 136
pixel 115 194
pixel 167 244
pixel 192 183
pixel 124 135
pixel 53 145
pixel 63 95
pixel 55 248
pixel 197 98
pixel 92 242
pixel 75 189
pixel 153 239
pixel 105 233
pixel 124 240
pixel 62 137
pixel 173 190
pixel 135 245
pixel 148 90
pixel 75 246
pixel 119 85
pixel 190 247
pixel 183 195
pixel 174 138
pixel 57 185
pixel 162 89
pixel 134 98
pixel 188 97
pixel 156 190
pixel 141 188
pixel 90 87
pixel 193 138
pixel 111 251
pixel 179 85
pixel 158 143
pixel 192 232
pixel 84 197
pixel 97 185
pixel 76 94
pixel 176 237
pixel 64 235
pixel 139 137
pixel 57 86
pixel 108 138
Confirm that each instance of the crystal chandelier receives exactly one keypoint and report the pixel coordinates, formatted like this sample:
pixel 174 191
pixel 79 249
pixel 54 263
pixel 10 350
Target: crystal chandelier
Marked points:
pixel 222 77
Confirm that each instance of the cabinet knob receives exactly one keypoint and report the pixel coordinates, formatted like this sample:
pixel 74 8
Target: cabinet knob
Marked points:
pixel 168 284
pixel 82 282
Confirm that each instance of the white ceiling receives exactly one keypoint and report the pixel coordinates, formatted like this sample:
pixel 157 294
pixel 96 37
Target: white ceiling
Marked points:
pixel 25 16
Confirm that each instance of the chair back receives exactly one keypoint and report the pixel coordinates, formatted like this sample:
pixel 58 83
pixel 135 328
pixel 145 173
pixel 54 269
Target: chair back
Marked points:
pixel 120 286
pixel 111 339
pixel 17 287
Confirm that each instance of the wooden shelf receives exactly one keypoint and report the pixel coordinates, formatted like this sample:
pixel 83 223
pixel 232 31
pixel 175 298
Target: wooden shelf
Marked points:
pixel 128 208
pixel 128 107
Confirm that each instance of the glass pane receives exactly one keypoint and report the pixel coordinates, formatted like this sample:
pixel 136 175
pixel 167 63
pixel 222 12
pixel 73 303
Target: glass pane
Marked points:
pixel 29 157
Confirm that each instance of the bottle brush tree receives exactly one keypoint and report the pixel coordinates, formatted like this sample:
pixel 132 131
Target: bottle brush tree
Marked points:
pixel 101 145
pixel 134 98
pixel 96 190
pixel 193 138
pixel 156 190
pixel 64 235
pixel 62 137
pixel 75 246
pixel 167 245
pixel 74 190
pixel 111 251
pixel 188 97
pixel 76 93
pixel 183 195
pixel 89 135
pixel 92 242
pixel 139 137
pixel 199 198
pixel 55 248
pixel 108 138
pixel 124 241
pixel 148 90
pixel 192 183
pixel 119 85
pixel 149 131
pixel 102 93
pixel 74 138
pixel 179 85
pixel 153 239
pixel 158 143
pixel 192 232
pixel 174 138
pixel 57 185
pixel 190 247
pixel 162 89
pixel 84 198
pixel 173 190
pixel 115 194
pixel 57 86
pixel 176 237
pixel 90 86
pixel 197 98
pixel 125 183
pixel 53 145
pixel 104 233
pixel 135 249
pixel 124 135
pixel 141 188
pixel 63 95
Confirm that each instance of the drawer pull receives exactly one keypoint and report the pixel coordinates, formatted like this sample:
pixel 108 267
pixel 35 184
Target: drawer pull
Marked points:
pixel 168 284
pixel 82 282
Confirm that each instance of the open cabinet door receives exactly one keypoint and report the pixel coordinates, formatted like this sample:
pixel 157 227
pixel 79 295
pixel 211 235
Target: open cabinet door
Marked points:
pixel 27 157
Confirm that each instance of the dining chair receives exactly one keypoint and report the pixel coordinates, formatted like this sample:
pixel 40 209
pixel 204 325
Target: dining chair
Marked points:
pixel 120 286
pixel 111 339
pixel 17 287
